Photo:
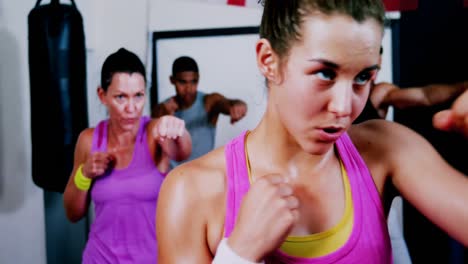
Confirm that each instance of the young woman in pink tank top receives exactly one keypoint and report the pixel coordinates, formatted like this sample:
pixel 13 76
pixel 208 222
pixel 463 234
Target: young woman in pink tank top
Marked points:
pixel 305 174
pixel 119 165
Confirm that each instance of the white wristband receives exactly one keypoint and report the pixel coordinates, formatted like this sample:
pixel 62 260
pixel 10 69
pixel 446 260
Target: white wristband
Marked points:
pixel 225 255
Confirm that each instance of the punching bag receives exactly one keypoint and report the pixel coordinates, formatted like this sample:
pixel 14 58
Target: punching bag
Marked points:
pixel 57 69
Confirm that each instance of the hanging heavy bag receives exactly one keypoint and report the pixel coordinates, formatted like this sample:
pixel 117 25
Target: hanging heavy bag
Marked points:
pixel 57 68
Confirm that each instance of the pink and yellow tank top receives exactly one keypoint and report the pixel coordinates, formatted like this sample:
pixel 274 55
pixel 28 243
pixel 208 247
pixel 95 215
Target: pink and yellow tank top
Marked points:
pixel 360 237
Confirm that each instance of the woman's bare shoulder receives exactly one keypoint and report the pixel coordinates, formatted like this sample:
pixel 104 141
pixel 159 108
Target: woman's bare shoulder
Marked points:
pixel 190 210
pixel 382 144
pixel 382 141
pixel 200 178
pixel 85 140
pixel 379 135
pixel 87 134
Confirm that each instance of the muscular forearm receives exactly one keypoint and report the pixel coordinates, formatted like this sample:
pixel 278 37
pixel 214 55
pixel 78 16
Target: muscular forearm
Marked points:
pixel 76 202
pixel 216 104
pixel 406 98
pixel 180 148
pixel 224 106
pixel 159 110
pixel 429 95
pixel 441 93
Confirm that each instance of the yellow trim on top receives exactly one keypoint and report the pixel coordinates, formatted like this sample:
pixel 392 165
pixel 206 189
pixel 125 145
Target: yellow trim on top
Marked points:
pixel 329 241
pixel 323 243
pixel 247 160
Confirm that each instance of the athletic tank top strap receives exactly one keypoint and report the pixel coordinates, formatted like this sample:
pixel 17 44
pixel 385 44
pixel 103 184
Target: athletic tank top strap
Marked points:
pixel 355 165
pixel 100 137
pixel 142 155
pixel 237 180
pixel 142 135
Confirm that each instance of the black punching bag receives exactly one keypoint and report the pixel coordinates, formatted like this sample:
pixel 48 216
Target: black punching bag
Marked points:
pixel 57 68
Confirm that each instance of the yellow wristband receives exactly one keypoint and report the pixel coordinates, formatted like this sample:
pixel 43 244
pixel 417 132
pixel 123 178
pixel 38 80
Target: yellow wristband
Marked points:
pixel 82 182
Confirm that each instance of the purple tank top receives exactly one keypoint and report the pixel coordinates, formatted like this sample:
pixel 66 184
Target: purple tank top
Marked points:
pixel 369 241
pixel 125 199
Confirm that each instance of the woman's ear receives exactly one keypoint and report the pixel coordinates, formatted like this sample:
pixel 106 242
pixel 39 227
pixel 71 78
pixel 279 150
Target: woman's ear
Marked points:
pixel 268 61
pixel 101 94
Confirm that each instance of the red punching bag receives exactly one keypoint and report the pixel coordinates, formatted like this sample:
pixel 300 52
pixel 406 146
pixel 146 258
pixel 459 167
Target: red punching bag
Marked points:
pixel 57 69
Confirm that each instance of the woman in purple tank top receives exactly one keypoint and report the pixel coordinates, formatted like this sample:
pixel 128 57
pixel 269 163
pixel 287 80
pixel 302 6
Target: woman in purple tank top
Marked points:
pixel 120 165
pixel 305 174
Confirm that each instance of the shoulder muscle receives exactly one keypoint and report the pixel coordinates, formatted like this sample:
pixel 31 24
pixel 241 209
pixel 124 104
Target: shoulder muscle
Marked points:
pixel 191 196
